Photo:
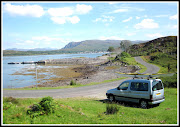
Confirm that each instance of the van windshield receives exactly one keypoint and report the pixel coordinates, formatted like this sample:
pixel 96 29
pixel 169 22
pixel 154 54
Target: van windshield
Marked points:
pixel 157 85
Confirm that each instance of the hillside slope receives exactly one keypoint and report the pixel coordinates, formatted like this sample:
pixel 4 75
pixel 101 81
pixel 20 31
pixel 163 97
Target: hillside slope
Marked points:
pixel 167 45
pixel 91 45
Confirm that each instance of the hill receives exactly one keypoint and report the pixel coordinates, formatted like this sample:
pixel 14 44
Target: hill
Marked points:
pixel 91 45
pixel 167 45
pixel 161 51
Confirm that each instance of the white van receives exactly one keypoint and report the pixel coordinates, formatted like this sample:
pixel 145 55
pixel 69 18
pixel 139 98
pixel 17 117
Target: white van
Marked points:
pixel 142 91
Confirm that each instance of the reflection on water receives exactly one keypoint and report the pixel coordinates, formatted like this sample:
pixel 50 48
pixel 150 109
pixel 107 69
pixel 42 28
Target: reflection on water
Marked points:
pixel 21 75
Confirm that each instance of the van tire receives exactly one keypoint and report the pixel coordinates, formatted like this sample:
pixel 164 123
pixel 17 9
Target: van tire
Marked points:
pixel 111 98
pixel 143 104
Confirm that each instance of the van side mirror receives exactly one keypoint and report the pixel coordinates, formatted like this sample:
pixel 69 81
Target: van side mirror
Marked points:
pixel 118 88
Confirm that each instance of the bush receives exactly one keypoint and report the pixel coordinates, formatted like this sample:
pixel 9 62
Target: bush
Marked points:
pixel 72 83
pixel 122 56
pixel 170 82
pixel 45 106
pixel 11 99
pixel 125 55
pixel 111 109
pixel 111 49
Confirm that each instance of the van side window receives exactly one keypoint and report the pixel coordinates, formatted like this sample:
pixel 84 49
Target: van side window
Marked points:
pixel 139 86
pixel 124 86
pixel 157 86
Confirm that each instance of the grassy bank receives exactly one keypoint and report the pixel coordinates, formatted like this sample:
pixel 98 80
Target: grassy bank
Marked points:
pixel 167 64
pixel 126 58
pixel 91 111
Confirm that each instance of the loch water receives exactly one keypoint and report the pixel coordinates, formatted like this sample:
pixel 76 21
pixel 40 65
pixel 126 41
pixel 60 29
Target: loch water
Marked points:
pixel 17 81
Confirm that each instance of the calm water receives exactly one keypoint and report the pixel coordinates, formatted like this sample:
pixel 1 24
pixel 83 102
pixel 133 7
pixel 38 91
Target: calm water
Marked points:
pixel 16 81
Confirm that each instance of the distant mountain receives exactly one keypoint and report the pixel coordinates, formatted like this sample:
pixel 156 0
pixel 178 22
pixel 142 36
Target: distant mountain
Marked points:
pixel 72 47
pixel 35 49
pixel 93 45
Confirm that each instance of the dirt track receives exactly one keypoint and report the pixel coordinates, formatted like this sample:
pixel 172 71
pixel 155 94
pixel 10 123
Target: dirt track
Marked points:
pixel 151 69
pixel 98 91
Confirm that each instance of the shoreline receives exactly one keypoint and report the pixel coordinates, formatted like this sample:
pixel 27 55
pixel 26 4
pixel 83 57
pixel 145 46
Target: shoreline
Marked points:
pixel 92 72
pixel 82 70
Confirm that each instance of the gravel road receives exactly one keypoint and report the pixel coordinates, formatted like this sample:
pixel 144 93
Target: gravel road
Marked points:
pixel 151 69
pixel 97 91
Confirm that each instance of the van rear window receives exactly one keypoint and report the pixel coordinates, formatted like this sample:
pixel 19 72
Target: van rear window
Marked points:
pixel 139 86
pixel 157 86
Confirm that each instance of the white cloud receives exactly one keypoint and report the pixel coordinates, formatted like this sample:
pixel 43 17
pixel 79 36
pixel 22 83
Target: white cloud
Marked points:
pixel 110 38
pixel 119 10
pixel 146 24
pixel 83 9
pixel 131 34
pixel 174 17
pixel 104 19
pixel 66 11
pixel 126 20
pixel 29 41
pixel 63 20
pixel 62 15
pixel 73 19
pixel 155 35
pixel 24 10
pixel 137 17
pixel 59 20
pixel 125 8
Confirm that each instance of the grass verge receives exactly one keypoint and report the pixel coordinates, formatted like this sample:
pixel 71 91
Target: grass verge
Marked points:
pixel 69 86
pixel 91 111
pixel 132 61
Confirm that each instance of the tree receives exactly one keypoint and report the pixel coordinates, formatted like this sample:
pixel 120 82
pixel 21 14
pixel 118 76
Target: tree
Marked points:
pixel 124 45
pixel 111 49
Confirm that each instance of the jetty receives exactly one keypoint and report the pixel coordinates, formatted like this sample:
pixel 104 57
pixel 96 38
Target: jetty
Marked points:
pixel 13 63
pixel 28 62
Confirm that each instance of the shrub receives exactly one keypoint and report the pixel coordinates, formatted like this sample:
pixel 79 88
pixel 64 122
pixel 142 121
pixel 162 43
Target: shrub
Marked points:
pixel 125 54
pixel 111 49
pixel 122 57
pixel 111 109
pixel 45 106
pixel 11 99
pixel 170 81
pixel 72 83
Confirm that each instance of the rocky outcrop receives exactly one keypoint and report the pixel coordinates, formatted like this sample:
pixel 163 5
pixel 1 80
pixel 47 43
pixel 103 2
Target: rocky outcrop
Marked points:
pixel 76 61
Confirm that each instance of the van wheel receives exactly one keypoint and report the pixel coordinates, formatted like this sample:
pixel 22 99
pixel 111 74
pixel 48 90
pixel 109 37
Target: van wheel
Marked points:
pixel 111 98
pixel 143 104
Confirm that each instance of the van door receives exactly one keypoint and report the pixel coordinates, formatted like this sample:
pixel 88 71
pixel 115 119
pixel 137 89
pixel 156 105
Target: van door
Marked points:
pixel 138 90
pixel 123 91
pixel 157 90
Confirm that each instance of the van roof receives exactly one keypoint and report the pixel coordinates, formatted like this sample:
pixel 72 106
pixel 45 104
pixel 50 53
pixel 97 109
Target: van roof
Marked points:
pixel 141 80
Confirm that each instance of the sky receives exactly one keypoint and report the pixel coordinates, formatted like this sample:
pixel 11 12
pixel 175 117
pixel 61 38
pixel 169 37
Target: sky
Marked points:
pixel 28 25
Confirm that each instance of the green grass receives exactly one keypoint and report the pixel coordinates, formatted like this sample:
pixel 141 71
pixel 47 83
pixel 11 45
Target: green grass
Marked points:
pixel 162 64
pixel 91 111
pixel 132 61
pixel 69 86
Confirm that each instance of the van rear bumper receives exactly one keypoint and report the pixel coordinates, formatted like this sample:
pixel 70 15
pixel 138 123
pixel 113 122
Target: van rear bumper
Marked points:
pixel 156 102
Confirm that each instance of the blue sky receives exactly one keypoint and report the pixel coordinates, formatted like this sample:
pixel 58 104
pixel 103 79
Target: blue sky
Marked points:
pixel 28 25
